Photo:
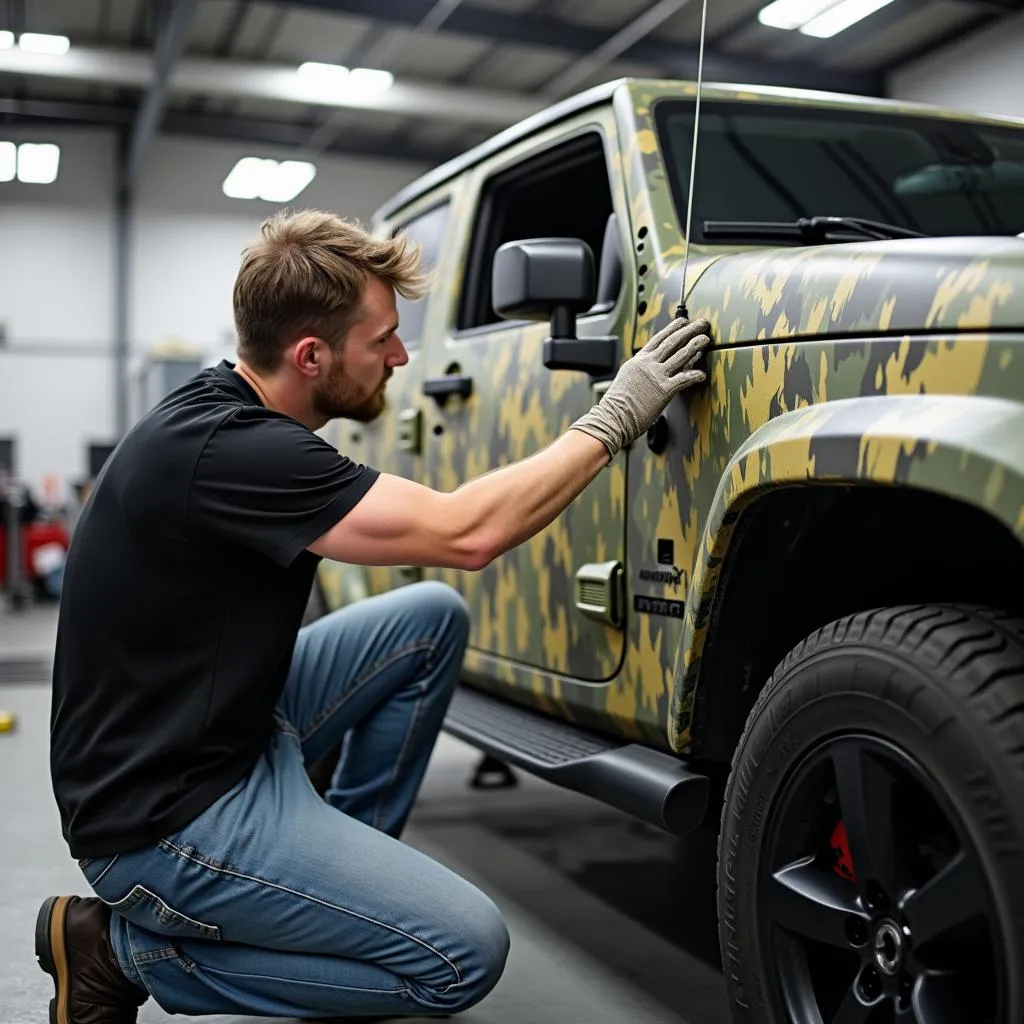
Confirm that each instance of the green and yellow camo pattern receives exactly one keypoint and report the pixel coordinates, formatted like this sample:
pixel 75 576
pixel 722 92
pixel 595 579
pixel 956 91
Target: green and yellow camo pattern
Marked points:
pixel 891 363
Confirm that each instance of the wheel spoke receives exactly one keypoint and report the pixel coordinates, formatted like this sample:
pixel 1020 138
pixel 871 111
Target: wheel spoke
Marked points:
pixel 852 1010
pixel 939 998
pixel 954 896
pixel 803 902
pixel 867 803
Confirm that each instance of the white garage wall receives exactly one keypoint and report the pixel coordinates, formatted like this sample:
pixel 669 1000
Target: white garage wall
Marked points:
pixel 983 74
pixel 57 308
pixel 57 277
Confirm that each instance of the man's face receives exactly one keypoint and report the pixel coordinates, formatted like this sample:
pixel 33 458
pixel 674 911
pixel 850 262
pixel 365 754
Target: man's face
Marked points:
pixel 355 383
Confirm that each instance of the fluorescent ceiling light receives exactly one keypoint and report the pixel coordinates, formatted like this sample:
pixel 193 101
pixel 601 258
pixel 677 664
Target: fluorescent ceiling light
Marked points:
pixel 287 180
pixel 8 160
pixel 36 42
pixel 244 180
pixel 369 81
pixel 38 162
pixel 6 40
pixel 256 178
pixel 790 14
pixel 842 16
pixel 325 74
pixel 338 78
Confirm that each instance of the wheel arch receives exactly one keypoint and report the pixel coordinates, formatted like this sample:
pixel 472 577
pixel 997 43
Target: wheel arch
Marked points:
pixel 831 509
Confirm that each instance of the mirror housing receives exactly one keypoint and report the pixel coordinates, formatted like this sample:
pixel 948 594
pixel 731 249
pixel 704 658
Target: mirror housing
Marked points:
pixel 553 279
pixel 544 279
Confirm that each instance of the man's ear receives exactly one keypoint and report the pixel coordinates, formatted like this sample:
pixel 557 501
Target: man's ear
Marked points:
pixel 307 356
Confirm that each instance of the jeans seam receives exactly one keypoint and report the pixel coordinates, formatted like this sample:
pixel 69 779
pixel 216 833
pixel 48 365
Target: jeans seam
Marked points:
pixel 317 984
pixel 135 959
pixel 413 719
pixel 326 712
pixel 332 906
pixel 103 873
pixel 155 955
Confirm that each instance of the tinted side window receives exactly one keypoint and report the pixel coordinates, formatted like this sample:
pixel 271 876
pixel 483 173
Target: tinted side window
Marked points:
pixel 563 193
pixel 427 230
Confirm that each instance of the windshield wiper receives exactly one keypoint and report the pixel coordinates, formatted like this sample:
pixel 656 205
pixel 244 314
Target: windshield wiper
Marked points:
pixel 807 229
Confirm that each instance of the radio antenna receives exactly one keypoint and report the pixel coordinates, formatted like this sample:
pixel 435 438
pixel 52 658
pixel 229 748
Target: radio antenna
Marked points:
pixel 681 310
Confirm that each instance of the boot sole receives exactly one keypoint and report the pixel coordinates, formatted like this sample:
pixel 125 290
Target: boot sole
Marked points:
pixel 52 953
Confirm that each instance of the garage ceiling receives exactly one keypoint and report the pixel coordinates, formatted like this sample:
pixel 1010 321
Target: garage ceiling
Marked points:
pixel 462 69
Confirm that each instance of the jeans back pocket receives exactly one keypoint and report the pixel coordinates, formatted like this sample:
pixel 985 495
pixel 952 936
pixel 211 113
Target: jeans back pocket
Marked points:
pixel 146 909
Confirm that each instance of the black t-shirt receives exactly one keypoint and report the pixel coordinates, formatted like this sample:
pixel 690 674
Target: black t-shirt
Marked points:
pixel 184 589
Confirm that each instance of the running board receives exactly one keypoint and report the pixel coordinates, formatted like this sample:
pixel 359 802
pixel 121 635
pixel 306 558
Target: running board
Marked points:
pixel 651 785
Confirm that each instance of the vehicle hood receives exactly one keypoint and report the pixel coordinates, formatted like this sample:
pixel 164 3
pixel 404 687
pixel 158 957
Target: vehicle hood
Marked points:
pixel 934 285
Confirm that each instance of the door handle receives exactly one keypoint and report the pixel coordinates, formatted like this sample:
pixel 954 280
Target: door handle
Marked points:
pixel 439 388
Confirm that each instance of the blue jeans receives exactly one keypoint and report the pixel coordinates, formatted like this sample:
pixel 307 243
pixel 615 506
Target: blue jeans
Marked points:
pixel 275 902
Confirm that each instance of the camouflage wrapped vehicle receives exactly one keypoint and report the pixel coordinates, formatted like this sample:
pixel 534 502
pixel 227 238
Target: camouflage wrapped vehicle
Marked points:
pixel 795 613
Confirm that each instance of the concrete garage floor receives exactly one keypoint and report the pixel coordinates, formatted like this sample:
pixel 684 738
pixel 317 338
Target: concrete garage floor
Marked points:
pixel 611 921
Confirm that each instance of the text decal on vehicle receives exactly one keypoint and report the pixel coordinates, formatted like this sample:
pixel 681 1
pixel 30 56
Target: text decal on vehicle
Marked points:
pixel 658 606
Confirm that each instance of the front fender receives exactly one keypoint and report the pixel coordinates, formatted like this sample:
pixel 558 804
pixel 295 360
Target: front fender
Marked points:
pixel 966 447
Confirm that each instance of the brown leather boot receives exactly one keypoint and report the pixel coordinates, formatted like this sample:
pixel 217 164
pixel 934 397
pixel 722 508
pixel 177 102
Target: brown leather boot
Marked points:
pixel 73 947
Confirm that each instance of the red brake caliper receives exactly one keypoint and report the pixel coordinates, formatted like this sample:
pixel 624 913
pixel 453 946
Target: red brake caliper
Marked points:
pixel 843 859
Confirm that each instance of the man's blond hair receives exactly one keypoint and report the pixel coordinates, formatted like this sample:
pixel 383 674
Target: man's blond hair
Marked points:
pixel 305 275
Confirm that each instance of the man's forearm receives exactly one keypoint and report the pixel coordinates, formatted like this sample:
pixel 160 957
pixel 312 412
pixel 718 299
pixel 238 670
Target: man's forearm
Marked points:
pixel 507 506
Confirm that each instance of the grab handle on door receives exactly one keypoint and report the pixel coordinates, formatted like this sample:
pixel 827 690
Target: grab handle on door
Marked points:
pixel 439 388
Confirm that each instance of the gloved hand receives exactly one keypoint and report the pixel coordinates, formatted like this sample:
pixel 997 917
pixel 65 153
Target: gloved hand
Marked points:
pixel 646 383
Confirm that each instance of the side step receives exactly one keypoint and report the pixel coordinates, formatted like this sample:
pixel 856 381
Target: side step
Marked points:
pixel 649 784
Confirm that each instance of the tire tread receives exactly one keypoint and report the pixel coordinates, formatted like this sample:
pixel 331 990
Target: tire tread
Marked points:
pixel 974 653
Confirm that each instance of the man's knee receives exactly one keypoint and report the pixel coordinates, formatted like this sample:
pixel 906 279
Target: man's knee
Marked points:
pixel 443 599
pixel 481 970
pixel 445 604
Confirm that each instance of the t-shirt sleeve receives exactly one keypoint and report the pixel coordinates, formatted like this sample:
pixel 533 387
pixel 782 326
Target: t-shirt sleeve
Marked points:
pixel 272 485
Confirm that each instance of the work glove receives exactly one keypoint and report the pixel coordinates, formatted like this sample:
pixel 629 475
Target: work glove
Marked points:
pixel 646 383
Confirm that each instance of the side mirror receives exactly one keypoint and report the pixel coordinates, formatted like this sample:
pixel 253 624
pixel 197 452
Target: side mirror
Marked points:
pixel 553 279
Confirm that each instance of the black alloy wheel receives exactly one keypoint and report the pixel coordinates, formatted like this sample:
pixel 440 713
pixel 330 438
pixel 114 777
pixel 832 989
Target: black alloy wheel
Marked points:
pixel 871 856
pixel 873 900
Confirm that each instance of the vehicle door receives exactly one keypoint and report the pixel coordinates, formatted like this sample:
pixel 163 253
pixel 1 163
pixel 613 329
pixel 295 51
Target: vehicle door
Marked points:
pixel 553 603
pixel 393 443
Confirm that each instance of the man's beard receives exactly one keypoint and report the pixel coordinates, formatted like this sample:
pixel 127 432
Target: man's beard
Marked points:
pixel 343 398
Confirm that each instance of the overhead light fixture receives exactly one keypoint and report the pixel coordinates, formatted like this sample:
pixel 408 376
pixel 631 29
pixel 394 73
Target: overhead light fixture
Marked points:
pixel 38 42
pixel 8 161
pixel 790 14
pixel 323 74
pixel 6 39
pixel 254 177
pixel 340 79
pixel 370 81
pixel 840 17
pixel 819 18
pixel 38 162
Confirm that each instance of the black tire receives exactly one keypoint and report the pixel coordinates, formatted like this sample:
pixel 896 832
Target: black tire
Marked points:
pixel 923 696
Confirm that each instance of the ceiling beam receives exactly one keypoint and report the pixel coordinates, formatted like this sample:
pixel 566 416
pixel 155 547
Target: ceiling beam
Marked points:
pixel 542 30
pixel 230 128
pixel 985 12
pixel 621 42
pixel 873 25
pixel 291 136
pixel 171 39
pixel 65 112
pixel 194 76
pixel 362 55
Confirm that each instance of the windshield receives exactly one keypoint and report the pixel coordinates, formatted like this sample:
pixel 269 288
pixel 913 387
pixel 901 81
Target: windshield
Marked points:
pixel 760 162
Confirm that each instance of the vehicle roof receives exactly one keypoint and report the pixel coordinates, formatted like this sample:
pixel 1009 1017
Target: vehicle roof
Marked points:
pixel 664 88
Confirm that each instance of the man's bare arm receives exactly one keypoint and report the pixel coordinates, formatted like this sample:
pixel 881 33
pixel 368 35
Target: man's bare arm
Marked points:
pixel 399 522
